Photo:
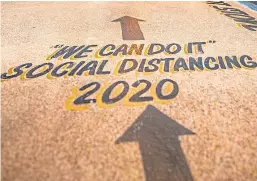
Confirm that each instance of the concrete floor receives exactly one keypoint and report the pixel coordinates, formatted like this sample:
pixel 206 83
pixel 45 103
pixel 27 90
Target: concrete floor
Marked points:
pixel 43 141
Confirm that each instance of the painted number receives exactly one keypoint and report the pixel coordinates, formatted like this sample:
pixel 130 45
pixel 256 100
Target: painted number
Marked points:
pixel 121 93
pixel 136 97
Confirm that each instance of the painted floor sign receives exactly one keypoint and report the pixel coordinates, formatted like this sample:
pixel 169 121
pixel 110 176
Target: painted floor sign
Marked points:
pixel 129 91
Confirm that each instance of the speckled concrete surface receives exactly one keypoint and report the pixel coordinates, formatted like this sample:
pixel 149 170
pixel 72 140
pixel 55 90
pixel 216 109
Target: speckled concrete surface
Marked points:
pixel 42 141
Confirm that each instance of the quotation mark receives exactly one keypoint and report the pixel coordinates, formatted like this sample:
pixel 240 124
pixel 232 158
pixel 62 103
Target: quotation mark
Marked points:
pixel 211 41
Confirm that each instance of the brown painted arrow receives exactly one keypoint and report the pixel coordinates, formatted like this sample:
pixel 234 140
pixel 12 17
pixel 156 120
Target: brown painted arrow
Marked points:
pixel 130 28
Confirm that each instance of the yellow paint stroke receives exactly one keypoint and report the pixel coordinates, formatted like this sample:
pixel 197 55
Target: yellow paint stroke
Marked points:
pixel 49 56
pixel 23 75
pixel 185 49
pixel 97 55
pixel 244 67
pixel 9 72
pixel 69 103
pixel 167 54
pixel 73 57
pixel 146 51
pixel 133 91
pixel 99 96
pixel 239 25
pixel 155 97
